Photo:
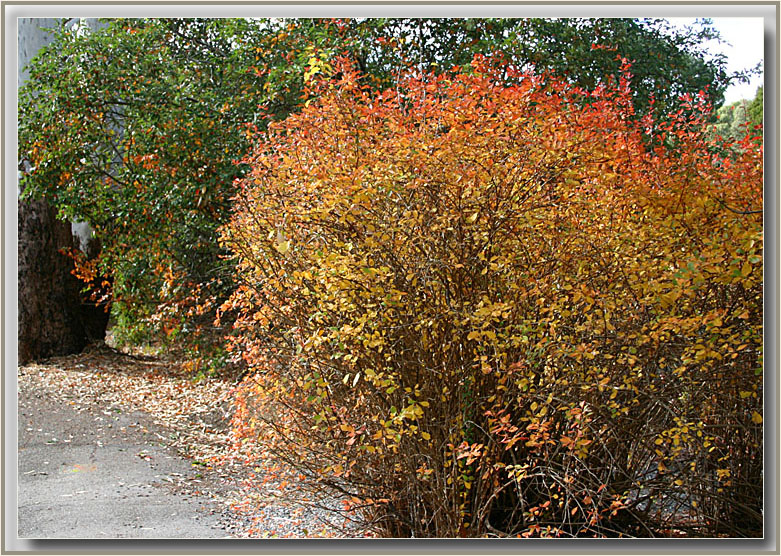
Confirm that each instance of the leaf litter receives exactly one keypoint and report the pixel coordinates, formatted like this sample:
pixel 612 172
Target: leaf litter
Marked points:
pixel 261 497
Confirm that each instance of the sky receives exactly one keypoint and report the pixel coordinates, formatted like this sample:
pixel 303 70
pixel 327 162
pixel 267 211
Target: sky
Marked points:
pixel 745 36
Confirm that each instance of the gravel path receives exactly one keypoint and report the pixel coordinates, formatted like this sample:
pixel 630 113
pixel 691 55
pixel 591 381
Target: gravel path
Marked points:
pixel 112 446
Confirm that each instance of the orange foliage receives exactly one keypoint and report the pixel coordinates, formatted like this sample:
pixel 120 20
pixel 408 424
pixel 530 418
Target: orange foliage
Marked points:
pixel 484 309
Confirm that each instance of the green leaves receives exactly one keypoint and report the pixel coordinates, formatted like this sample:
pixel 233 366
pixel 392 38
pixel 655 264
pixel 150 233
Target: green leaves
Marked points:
pixel 134 129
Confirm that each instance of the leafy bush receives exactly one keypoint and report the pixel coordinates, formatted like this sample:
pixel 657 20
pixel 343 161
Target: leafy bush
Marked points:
pixel 479 310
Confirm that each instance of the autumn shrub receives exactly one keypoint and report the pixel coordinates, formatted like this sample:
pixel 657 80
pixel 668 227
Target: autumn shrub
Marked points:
pixel 479 309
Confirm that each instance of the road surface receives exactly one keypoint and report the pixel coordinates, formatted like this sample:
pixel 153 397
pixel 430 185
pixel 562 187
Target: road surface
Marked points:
pixel 103 474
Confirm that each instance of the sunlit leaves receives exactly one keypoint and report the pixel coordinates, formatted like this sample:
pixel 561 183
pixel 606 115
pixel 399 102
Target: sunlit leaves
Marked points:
pixel 502 292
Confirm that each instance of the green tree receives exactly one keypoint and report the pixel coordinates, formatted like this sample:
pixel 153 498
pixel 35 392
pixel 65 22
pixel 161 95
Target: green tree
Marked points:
pixel 135 129
pixel 735 120
pixel 756 107
pixel 732 120
pixel 50 316
pixel 666 62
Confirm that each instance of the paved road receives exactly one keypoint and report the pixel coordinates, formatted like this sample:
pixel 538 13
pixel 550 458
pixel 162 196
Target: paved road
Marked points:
pixel 104 475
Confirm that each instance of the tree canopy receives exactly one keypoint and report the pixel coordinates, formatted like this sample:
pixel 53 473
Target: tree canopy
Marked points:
pixel 756 107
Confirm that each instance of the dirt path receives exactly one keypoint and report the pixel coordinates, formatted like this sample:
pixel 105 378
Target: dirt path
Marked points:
pixel 113 446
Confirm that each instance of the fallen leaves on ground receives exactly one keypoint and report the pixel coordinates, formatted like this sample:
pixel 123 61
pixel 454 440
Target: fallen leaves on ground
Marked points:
pixel 263 498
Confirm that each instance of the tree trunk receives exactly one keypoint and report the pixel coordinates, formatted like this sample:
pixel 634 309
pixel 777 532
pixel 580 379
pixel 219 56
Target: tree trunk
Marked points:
pixel 49 301
pixel 53 319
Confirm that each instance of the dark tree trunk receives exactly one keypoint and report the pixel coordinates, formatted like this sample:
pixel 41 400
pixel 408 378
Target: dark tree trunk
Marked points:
pixel 50 321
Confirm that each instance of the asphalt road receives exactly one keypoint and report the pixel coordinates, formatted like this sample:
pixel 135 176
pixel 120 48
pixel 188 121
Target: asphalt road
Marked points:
pixel 108 474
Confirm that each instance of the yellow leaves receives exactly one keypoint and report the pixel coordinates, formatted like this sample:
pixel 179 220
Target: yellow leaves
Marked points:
pixel 567 442
pixel 282 244
pixel 410 412
pixel 668 299
pixel 756 418
pixel 587 312
pixel 316 65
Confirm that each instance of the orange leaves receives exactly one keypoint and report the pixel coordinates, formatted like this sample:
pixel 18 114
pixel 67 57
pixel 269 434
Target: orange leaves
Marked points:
pixel 147 161
pixel 501 291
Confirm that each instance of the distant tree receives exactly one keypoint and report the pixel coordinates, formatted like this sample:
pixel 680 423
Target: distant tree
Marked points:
pixel 732 119
pixel 667 61
pixel 743 116
pixel 756 107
